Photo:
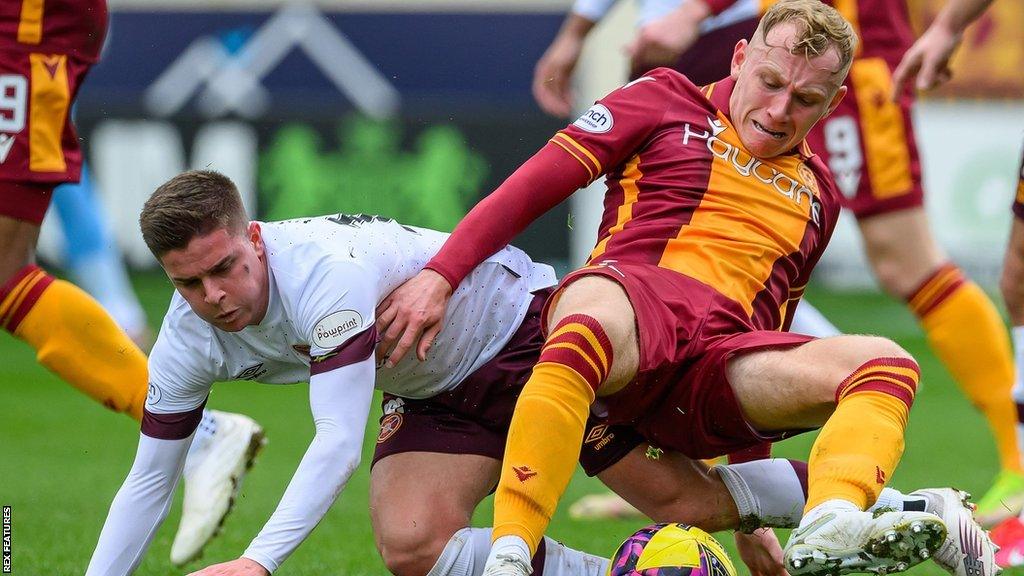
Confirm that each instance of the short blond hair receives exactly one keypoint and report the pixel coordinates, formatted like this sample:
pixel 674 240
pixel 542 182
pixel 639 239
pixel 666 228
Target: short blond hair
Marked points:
pixel 819 27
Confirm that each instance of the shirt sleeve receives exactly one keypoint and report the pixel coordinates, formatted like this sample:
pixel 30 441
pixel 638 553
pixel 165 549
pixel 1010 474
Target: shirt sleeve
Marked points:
pixel 617 126
pixel 335 313
pixel 139 507
pixel 340 402
pixel 178 388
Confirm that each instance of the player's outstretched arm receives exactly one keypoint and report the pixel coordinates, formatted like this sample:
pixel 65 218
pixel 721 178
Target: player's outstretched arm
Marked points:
pixel 139 507
pixel 927 60
pixel 340 403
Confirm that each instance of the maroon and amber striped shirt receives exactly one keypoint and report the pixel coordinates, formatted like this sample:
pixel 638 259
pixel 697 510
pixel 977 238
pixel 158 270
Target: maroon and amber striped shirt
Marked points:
pixel 73 27
pixel 684 194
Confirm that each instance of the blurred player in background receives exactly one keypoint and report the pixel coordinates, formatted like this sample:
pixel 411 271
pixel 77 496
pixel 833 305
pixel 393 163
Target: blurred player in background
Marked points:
pixel 674 326
pixel 868 144
pixel 46 49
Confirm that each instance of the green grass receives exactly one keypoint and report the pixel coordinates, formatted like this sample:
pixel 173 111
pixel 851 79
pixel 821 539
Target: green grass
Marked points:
pixel 62 458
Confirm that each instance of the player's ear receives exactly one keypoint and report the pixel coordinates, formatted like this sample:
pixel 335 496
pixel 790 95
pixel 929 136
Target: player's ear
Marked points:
pixel 840 94
pixel 739 54
pixel 256 237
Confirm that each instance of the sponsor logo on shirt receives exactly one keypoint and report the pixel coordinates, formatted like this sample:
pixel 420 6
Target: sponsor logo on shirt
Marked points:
pixel 750 167
pixel 330 332
pixel 597 120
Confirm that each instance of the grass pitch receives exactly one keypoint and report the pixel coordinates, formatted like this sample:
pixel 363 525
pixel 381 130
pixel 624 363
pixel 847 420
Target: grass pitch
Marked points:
pixel 62 458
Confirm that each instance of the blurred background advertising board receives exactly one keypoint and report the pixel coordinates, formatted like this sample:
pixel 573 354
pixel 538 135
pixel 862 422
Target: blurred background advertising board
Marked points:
pixel 416 109
pixel 413 110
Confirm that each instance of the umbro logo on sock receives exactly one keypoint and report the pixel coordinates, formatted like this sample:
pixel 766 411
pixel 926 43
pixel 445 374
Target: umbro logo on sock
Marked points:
pixel 523 473
pixel 879 475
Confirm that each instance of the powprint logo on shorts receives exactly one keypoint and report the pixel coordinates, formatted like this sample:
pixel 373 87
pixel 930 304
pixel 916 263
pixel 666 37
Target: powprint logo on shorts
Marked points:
pixel 330 331
pixel 389 424
pixel 523 473
pixel 750 167
pixel 597 120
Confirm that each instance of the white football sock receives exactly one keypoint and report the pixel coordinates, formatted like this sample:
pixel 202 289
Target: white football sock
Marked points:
pixel 808 320
pixel 766 492
pixel 467 552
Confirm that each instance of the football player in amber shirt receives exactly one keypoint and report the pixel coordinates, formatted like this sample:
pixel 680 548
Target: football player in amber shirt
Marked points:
pixel 715 216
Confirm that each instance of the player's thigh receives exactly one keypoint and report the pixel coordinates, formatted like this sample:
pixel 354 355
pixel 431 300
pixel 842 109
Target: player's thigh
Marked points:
pixel 1012 281
pixel 672 488
pixel 606 301
pixel 795 388
pixel 901 248
pixel 419 499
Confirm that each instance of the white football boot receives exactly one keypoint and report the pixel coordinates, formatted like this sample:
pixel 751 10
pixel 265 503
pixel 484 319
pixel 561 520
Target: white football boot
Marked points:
pixel 967 550
pixel 507 565
pixel 213 480
pixel 848 541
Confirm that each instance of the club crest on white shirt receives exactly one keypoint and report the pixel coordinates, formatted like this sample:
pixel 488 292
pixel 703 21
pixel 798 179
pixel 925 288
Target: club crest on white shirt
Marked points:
pixel 332 330
pixel 597 120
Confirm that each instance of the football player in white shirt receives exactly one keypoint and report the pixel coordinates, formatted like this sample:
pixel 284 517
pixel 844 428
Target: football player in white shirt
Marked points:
pixel 292 301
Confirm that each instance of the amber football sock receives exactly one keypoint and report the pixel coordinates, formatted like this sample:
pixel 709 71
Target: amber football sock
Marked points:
pixel 76 339
pixel 967 334
pixel 547 428
pixel 861 444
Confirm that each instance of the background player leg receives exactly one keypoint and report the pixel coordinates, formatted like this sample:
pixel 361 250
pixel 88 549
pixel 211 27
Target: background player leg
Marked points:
pixel 421 504
pixel 93 260
pixel 1010 534
pixel 963 329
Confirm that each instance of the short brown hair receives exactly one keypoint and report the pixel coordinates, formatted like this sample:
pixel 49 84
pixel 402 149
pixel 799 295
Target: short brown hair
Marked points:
pixel 819 26
pixel 191 204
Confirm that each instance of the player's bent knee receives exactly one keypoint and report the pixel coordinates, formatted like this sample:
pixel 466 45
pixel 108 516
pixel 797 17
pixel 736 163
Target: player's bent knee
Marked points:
pixel 412 553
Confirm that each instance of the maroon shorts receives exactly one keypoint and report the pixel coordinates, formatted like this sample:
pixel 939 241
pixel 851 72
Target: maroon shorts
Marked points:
pixel 681 399
pixel 473 418
pixel 38 144
pixel 868 144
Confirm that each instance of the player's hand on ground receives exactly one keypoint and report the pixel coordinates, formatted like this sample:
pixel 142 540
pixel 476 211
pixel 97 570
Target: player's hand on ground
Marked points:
pixel 411 316
pixel 240 567
pixel 663 41
pixel 927 61
pixel 553 74
pixel 761 552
